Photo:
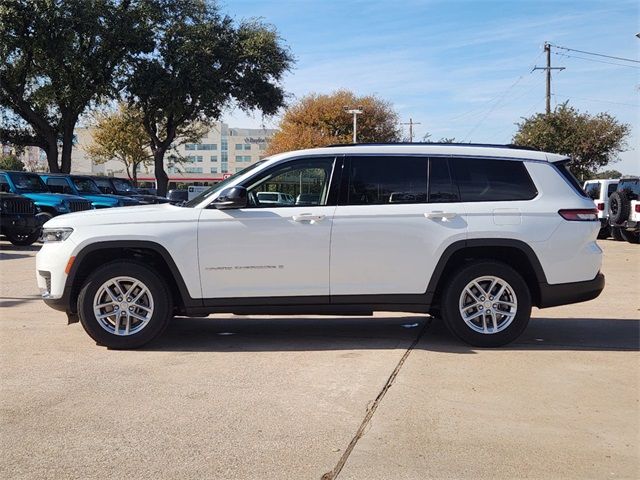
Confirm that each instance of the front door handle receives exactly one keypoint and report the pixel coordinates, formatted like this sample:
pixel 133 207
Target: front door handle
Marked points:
pixel 307 218
pixel 440 215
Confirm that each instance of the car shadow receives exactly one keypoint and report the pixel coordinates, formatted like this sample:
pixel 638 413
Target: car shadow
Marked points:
pixel 14 248
pixel 362 333
pixel 6 302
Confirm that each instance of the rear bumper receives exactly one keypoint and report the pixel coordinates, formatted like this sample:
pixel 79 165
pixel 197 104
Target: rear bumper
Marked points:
pixel 566 293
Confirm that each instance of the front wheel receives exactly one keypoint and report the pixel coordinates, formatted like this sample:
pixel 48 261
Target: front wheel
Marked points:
pixel 124 305
pixel 486 304
pixel 23 239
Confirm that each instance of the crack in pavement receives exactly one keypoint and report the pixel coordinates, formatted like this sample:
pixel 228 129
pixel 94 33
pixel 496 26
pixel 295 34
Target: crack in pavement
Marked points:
pixel 371 410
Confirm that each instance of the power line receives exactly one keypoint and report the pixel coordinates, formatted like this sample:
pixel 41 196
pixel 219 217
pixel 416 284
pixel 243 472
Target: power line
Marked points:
pixel 596 54
pixel 594 60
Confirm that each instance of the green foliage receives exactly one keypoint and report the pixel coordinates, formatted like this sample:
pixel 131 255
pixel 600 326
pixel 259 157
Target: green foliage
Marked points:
pixel 56 58
pixel 121 136
pixel 591 141
pixel 11 162
pixel 604 175
pixel 204 63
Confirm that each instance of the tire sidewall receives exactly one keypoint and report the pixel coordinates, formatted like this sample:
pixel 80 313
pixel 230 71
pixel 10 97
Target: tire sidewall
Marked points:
pixel 157 289
pixel 461 278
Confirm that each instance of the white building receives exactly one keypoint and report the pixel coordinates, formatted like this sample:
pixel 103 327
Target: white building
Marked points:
pixel 222 151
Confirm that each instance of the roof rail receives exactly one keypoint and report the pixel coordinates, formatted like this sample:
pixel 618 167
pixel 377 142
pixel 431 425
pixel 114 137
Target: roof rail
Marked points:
pixel 487 145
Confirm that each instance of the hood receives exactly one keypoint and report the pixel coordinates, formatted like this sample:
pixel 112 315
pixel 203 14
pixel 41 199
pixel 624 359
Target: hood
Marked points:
pixel 143 214
pixel 53 198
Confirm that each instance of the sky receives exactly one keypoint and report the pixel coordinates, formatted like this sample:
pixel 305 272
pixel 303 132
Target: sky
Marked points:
pixel 460 68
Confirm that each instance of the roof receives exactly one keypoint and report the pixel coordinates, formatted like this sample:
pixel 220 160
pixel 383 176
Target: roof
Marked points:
pixel 466 149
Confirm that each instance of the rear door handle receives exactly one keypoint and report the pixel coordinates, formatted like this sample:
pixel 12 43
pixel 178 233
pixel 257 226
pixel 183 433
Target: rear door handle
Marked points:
pixel 438 214
pixel 307 218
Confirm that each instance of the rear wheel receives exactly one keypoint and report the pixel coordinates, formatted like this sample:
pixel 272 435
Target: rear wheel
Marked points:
pixel 487 304
pixel 616 234
pixel 124 305
pixel 631 237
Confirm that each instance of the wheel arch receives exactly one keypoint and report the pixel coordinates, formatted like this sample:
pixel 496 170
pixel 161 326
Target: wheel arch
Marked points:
pixel 152 254
pixel 514 253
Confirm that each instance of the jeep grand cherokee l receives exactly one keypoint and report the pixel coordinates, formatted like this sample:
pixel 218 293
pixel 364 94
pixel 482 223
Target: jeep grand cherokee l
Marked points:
pixel 474 234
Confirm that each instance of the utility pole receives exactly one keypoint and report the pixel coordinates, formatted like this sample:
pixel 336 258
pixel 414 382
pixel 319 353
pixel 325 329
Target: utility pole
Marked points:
pixel 411 124
pixel 548 68
pixel 355 112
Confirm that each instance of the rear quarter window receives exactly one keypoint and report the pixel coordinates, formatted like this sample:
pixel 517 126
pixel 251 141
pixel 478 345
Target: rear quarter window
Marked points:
pixel 490 180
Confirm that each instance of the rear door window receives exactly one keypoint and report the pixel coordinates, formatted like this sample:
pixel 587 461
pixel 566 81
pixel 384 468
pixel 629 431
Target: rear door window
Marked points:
pixel 489 180
pixel 441 186
pixel 382 180
pixel 593 190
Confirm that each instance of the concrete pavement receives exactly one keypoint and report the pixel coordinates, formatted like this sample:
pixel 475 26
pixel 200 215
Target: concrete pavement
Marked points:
pixel 258 397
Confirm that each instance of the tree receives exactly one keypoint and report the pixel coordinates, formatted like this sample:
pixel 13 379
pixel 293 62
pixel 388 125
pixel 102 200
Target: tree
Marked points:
pixel 591 141
pixel 605 174
pixel 56 58
pixel 318 120
pixel 11 162
pixel 120 135
pixel 202 64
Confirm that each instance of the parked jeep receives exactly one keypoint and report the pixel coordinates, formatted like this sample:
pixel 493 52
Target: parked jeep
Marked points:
pixel 599 191
pixel 86 188
pixel 624 210
pixel 18 220
pixel 124 188
pixel 475 235
pixel 49 204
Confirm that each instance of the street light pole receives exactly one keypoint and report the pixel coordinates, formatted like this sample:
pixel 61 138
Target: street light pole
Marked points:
pixel 355 112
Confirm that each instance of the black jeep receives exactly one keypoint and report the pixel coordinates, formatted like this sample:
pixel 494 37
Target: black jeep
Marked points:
pixel 18 221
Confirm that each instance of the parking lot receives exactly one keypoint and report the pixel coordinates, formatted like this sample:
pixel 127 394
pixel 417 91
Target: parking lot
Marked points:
pixel 387 397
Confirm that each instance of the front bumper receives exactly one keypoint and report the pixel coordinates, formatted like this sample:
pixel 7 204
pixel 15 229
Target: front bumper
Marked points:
pixel 566 293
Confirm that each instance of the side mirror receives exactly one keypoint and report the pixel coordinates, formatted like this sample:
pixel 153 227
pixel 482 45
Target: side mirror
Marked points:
pixel 234 197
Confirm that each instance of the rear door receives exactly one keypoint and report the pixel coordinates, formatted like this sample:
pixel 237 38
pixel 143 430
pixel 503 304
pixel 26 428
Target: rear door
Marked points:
pixel 389 229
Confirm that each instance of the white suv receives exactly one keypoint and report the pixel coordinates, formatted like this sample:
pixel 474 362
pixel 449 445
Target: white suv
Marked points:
pixel 600 190
pixel 474 234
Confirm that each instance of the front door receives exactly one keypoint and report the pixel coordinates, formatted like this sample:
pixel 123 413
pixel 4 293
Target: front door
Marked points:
pixel 279 245
pixel 389 229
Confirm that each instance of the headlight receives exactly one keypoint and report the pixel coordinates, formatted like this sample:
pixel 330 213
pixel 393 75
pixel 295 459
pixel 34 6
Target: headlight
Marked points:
pixel 55 234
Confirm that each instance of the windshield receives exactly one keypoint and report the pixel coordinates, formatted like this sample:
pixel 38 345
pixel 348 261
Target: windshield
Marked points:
pixel 123 185
pixel 102 182
pixel 86 185
pixel 28 182
pixel 219 186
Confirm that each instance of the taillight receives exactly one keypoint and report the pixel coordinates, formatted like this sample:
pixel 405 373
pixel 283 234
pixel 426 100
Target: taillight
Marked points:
pixel 601 207
pixel 637 207
pixel 580 214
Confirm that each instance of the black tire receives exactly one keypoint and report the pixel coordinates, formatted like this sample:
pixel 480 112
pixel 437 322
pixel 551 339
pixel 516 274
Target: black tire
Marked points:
pixel 158 291
pixel 454 291
pixel 619 207
pixel 615 233
pixel 605 232
pixel 23 239
pixel 631 237
pixel 44 217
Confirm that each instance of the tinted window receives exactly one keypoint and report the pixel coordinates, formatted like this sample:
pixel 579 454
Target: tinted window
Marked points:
pixel 28 182
pixel 612 188
pixel 441 188
pixel 593 190
pixel 631 187
pixel 383 180
pixel 86 185
pixel 481 180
